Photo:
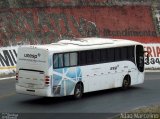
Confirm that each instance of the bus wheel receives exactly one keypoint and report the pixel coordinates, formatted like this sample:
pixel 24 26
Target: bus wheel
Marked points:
pixel 78 91
pixel 126 82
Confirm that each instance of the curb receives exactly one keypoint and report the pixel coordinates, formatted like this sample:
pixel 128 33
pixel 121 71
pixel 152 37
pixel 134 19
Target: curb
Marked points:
pixel 152 71
pixel 6 78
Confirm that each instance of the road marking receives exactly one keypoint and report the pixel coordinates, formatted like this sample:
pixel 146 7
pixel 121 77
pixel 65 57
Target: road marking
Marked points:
pixel 8 78
pixel 9 67
pixel 7 95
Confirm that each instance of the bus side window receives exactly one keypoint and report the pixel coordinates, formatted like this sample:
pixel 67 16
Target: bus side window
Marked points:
pixel 89 55
pixel 130 53
pixel 73 59
pixel 58 60
pixel 103 55
pixel 66 60
pixel 96 56
pixel 117 54
pixel 82 58
pixel 55 61
pixel 124 53
pixel 111 54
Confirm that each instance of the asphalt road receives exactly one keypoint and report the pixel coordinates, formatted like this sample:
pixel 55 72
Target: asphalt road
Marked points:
pixel 111 101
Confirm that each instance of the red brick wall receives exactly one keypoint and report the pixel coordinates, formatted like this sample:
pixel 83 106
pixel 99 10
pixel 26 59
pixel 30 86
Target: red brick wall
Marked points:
pixel 46 25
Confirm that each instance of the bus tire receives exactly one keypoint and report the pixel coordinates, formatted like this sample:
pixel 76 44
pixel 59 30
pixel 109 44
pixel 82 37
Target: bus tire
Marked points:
pixel 78 91
pixel 126 82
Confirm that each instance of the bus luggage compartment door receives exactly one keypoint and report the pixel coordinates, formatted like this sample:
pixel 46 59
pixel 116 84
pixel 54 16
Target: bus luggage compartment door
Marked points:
pixel 31 79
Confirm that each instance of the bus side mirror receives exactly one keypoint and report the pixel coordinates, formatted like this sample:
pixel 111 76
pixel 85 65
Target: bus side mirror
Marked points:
pixel 147 59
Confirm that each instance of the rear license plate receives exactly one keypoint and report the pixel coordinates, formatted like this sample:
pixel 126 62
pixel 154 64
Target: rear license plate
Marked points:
pixel 30 85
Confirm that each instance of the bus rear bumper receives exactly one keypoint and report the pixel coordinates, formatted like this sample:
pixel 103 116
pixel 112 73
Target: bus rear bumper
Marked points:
pixel 37 92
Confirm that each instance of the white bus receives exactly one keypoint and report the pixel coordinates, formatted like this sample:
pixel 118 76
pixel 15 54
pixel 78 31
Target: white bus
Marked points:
pixel 74 67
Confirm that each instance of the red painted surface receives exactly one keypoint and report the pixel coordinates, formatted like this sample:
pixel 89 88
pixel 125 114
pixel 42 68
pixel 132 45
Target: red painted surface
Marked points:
pixel 46 25
pixel 118 18
pixel 142 39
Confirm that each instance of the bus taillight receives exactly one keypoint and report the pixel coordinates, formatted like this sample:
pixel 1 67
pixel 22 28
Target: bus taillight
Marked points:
pixel 47 80
pixel 16 76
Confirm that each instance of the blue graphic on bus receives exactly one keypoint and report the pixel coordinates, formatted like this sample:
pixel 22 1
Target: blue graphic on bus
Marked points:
pixel 67 78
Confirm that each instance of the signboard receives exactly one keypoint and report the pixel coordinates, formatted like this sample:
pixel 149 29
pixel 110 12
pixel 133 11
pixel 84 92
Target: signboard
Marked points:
pixel 8 57
pixel 154 56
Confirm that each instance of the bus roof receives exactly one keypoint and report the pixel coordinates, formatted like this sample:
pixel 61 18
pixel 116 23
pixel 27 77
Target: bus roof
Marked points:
pixel 80 44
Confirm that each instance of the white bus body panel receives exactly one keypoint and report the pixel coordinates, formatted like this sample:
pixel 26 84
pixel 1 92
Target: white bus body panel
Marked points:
pixel 109 75
pixel 96 77
pixel 36 62
pixel 31 79
pixel 32 67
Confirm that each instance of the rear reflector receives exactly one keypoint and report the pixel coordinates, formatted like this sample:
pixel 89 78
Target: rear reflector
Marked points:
pixel 47 77
pixel 47 83
pixel 16 76
pixel 47 80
